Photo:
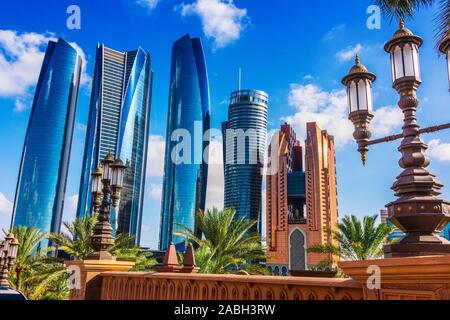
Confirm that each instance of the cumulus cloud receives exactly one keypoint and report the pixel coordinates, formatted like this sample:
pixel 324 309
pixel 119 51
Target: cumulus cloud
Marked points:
pixel 222 21
pixel 215 190
pixel 21 56
pixel 149 4
pixel 70 207
pixel 6 206
pixel 334 32
pixel 439 150
pixel 349 52
pixel 329 110
pixel 155 158
pixel 155 192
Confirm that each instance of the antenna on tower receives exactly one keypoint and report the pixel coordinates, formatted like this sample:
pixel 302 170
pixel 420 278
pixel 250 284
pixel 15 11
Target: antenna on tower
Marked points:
pixel 239 79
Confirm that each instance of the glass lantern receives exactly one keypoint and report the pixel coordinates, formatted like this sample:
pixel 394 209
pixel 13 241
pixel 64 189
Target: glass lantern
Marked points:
pixel 97 181
pixel 117 173
pixel 404 52
pixel 106 166
pixel 359 88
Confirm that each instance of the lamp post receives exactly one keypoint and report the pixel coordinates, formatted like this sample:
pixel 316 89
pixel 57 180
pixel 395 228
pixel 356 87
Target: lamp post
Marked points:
pixel 105 180
pixel 8 254
pixel 418 211
pixel 445 49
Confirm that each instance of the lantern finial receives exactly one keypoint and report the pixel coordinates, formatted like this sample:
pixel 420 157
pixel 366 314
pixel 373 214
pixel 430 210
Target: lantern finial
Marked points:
pixel 402 24
pixel 357 60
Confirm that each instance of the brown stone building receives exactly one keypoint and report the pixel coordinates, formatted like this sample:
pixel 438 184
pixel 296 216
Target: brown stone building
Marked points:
pixel 300 205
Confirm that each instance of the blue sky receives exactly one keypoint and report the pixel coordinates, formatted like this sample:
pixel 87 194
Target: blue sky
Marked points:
pixel 295 50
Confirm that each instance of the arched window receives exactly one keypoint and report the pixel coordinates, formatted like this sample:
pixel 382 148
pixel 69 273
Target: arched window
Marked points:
pixel 297 252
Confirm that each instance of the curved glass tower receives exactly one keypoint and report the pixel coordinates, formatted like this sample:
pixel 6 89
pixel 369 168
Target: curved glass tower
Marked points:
pixel 119 119
pixel 186 170
pixel 44 166
pixel 244 144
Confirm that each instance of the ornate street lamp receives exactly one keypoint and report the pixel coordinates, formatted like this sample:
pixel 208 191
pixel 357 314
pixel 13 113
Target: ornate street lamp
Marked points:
pixel 8 254
pixel 359 92
pixel 102 238
pixel 445 49
pixel 417 211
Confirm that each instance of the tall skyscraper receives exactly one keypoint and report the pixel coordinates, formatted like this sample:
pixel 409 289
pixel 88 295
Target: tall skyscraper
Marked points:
pixel 286 231
pixel 244 139
pixel 119 119
pixel 300 205
pixel 321 188
pixel 44 166
pixel 188 123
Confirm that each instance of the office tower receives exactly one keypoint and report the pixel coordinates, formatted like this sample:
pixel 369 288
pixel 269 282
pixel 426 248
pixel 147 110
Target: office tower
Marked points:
pixel 119 119
pixel 44 166
pixel 286 231
pixel 321 188
pixel 244 138
pixel 188 123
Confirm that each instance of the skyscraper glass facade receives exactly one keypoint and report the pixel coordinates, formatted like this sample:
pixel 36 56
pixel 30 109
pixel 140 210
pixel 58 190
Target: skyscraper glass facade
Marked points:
pixel 44 166
pixel 244 144
pixel 119 119
pixel 186 171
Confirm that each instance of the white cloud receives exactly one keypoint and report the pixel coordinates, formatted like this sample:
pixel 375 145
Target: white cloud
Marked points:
pixel 6 206
pixel 222 21
pixel 149 4
pixel 20 105
pixel 334 32
pixel 439 150
pixel 329 110
pixel 21 56
pixel 215 190
pixel 70 207
pixel 349 52
pixel 155 192
pixel 155 158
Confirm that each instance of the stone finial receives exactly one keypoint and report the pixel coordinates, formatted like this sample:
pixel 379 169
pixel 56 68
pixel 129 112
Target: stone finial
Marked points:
pixel 170 258
pixel 170 263
pixel 189 256
pixel 189 260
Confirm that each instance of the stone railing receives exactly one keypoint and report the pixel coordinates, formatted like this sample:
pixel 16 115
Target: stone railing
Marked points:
pixel 424 278
pixel 179 286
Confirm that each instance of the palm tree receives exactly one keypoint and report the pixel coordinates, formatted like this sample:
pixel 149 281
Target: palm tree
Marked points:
pixel 227 243
pixel 402 9
pixel 76 244
pixel 356 240
pixel 34 273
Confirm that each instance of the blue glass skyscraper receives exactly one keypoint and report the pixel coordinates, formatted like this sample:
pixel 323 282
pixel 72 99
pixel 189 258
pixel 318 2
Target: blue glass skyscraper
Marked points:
pixel 186 170
pixel 119 119
pixel 44 166
pixel 244 142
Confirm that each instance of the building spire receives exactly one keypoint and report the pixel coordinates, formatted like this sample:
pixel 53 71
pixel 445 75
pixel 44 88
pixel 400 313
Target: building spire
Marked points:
pixel 239 79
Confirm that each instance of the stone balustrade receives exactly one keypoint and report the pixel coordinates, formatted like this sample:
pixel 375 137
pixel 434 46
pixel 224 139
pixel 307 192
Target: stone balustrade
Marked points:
pixel 179 286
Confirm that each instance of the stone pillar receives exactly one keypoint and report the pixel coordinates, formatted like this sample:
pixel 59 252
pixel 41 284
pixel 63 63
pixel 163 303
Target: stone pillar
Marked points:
pixel 86 282
pixel 411 278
